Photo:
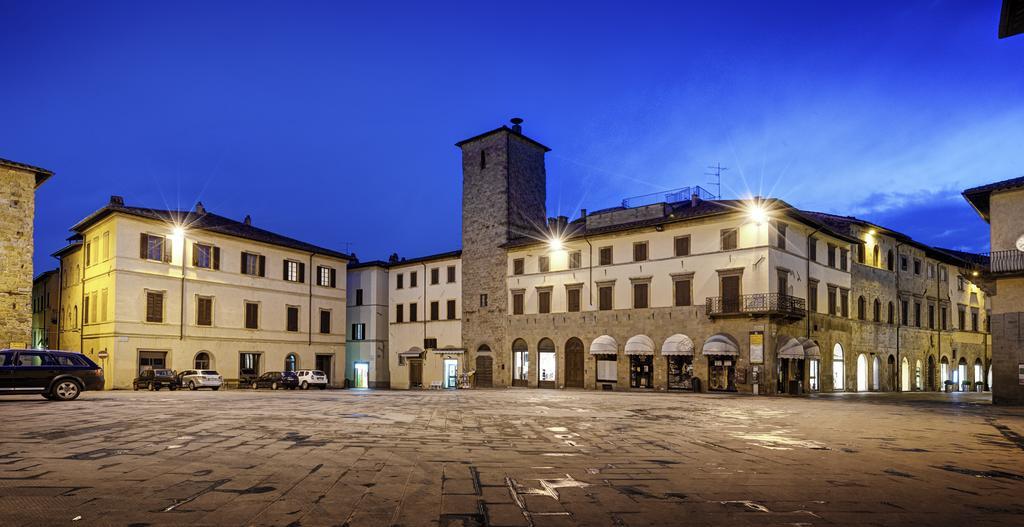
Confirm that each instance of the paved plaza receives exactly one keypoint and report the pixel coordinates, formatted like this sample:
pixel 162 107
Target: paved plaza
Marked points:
pixel 509 457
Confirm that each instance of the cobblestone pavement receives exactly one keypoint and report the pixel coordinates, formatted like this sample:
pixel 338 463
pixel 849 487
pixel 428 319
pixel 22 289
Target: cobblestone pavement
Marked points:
pixel 508 457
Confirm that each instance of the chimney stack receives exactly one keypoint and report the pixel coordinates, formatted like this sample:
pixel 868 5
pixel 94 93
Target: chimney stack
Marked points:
pixel 200 209
pixel 517 125
pixel 247 220
pixel 563 223
pixel 583 213
pixel 117 201
pixel 694 199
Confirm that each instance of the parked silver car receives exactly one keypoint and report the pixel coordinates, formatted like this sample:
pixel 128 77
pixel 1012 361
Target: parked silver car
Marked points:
pixel 196 379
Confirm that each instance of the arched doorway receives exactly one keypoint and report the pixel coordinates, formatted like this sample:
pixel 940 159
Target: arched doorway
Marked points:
pixel 930 376
pixel 904 375
pixel 202 361
pixel 961 374
pixel 484 376
pixel 574 363
pixel 721 351
pixel 547 364
pixel 944 372
pixel 520 363
pixel 291 362
pixel 640 350
pixel 979 373
pixel 918 380
pixel 891 365
pixel 838 370
pixel 862 373
pixel 876 373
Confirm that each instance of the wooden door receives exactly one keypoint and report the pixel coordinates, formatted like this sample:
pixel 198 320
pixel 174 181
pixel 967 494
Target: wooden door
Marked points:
pixel 574 364
pixel 415 373
pixel 484 375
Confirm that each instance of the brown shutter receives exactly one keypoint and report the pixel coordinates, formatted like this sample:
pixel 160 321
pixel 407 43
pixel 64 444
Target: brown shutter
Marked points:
pixel 216 258
pixel 284 269
pixel 143 245
pixel 302 272
pixel 167 250
pixel 195 254
pixel 243 262
pixel 334 277
pixel 263 265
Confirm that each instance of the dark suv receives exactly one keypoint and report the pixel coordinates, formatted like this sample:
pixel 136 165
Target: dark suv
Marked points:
pixel 56 375
pixel 276 380
pixel 156 379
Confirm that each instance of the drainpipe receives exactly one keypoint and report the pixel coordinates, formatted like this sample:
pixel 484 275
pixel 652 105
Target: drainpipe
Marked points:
pixel 184 243
pixel 590 267
pixel 807 278
pixel 938 313
pixel 60 300
pixel 81 329
pixel 310 277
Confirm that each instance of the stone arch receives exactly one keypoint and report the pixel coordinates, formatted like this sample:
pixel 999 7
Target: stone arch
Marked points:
pixel 291 362
pixel 876 260
pixel 520 362
pixel 203 360
pixel 862 308
pixel 547 364
pixel 862 372
pixel 484 363
pixel 838 368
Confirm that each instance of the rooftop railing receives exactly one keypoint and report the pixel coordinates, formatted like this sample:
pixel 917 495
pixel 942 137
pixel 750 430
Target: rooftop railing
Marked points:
pixel 1005 261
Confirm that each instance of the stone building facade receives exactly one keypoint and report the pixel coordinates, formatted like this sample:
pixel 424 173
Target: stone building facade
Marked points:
pixel 366 348
pixel 1001 204
pixel 503 197
pixel 18 184
pixel 697 294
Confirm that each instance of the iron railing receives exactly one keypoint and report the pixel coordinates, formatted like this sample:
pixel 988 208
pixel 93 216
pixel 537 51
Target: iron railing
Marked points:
pixel 1004 261
pixel 757 304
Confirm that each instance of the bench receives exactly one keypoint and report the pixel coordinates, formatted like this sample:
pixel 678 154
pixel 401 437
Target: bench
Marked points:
pixel 436 385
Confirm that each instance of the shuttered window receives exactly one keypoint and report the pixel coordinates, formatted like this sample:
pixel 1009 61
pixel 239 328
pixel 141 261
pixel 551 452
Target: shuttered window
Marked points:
pixel 451 310
pixel 325 321
pixel 683 292
pixel 451 274
pixel 604 255
pixel 205 256
pixel 517 303
pixel 604 300
pixel 729 239
pixel 544 301
pixel 518 266
pixel 294 271
pixel 254 264
pixel 640 293
pixel 154 306
pixel 435 310
pixel 682 246
pixel 640 251
pixel 292 323
pixel 204 311
pixel 435 276
pixel 154 248
pixel 252 315
pixel 573 299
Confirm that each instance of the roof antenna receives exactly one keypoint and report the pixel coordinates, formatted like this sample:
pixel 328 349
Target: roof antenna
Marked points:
pixel 717 174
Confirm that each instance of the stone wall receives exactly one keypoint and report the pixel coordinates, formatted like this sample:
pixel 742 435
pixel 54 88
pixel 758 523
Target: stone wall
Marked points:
pixel 508 166
pixel 17 211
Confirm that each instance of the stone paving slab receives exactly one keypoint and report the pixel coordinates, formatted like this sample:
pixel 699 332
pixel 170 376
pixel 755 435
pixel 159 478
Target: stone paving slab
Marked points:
pixel 514 457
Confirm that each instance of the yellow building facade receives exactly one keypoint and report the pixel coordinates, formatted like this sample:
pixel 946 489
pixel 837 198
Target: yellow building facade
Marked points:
pixel 146 288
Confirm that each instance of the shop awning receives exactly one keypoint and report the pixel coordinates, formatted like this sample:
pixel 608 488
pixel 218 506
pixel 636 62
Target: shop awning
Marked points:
pixel 639 345
pixel 791 348
pixel 720 344
pixel 413 352
pixel 448 351
pixel 604 345
pixel 677 344
pixel 811 349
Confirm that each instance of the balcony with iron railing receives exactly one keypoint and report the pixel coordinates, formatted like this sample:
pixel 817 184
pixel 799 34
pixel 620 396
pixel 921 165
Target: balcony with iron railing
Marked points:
pixel 999 262
pixel 771 304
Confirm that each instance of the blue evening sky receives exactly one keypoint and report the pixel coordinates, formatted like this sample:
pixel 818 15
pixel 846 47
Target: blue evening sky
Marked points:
pixel 334 122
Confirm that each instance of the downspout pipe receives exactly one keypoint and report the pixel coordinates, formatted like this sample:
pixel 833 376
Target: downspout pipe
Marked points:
pixel 900 321
pixel 60 301
pixel 310 277
pixel 590 268
pixel 184 244
pixel 807 278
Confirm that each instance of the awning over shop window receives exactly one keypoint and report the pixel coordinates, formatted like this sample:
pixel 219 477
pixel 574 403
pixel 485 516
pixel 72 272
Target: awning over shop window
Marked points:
pixel 677 344
pixel 720 344
pixel 604 345
pixel 811 349
pixel 639 345
pixel 791 348
pixel 413 353
pixel 448 351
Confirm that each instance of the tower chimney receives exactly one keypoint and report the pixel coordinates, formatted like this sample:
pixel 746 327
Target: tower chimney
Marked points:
pixel 694 199
pixel 117 201
pixel 247 220
pixel 200 209
pixel 517 125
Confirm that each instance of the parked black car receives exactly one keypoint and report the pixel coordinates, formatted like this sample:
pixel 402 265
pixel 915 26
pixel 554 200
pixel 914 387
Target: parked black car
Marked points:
pixel 246 377
pixel 276 380
pixel 56 375
pixel 156 379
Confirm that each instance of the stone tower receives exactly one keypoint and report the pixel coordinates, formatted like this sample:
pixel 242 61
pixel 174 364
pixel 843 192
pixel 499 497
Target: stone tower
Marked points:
pixel 18 183
pixel 503 197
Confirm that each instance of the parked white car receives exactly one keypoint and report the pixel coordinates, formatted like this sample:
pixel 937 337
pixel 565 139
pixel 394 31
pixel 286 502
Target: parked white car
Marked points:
pixel 312 379
pixel 196 379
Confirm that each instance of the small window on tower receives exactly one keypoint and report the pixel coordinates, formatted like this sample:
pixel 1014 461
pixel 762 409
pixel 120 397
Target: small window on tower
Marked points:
pixel 483 160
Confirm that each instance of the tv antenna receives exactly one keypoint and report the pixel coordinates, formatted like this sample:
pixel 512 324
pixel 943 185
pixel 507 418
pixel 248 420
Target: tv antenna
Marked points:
pixel 717 174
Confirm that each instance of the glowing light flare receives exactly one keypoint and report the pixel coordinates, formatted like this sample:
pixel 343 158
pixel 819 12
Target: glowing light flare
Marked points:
pixel 555 244
pixel 757 212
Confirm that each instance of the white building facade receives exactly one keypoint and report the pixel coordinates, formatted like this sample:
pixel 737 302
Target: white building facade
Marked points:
pixel 367 350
